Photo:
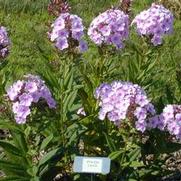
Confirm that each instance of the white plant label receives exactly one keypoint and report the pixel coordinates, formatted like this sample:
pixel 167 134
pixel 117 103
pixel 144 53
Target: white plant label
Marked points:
pixel 92 165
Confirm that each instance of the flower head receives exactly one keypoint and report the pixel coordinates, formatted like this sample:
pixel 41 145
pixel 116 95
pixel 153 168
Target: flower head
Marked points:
pixel 26 92
pixel 155 22
pixel 110 27
pixel 120 100
pixel 172 120
pixel 68 32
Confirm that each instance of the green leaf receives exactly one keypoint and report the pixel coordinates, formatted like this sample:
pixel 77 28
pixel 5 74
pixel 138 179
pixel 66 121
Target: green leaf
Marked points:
pixel 125 164
pixel 12 167
pixel 49 77
pixel 27 131
pixel 14 178
pixel 69 100
pixel 8 147
pixel 46 141
pixel 144 172
pixel 33 171
pixel 68 78
pixel 136 164
pixel 88 82
pixel 8 125
pixel 46 158
pixel 134 154
pixel 74 132
pixel 72 99
pixel 110 143
pixel 35 179
pixel 151 65
pixel 114 155
pixel 20 141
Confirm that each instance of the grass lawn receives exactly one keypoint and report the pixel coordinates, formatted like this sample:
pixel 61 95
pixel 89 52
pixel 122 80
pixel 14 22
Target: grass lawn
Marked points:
pixel 28 21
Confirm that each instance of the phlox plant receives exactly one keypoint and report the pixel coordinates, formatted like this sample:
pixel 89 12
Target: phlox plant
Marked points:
pixel 96 98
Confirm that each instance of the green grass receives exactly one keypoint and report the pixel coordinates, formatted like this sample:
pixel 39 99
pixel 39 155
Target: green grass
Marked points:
pixel 28 21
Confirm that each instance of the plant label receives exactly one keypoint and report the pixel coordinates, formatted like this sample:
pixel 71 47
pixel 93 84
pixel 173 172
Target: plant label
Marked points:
pixel 92 165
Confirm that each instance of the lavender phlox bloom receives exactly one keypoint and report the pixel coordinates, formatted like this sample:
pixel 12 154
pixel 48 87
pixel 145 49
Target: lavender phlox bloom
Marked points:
pixel 15 107
pixel 83 46
pixel 111 28
pixel 26 99
pixel 31 86
pixel 24 93
pixel 12 93
pixel 102 90
pixel 154 23
pixel 14 90
pixel 51 102
pixel 141 125
pixel 20 120
pixel 62 43
pixel 66 28
pixel 156 122
pixel 22 111
pixel 172 119
pixel 140 113
pixel 4 42
pixel 120 100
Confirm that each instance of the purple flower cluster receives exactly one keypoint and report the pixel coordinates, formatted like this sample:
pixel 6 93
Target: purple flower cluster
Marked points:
pixel 171 118
pixel 154 23
pixel 120 100
pixel 68 32
pixel 4 42
pixel 24 93
pixel 110 27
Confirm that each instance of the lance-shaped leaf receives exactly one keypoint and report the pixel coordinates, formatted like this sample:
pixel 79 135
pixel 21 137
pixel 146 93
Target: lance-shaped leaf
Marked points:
pixel 8 147
pixel 46 141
